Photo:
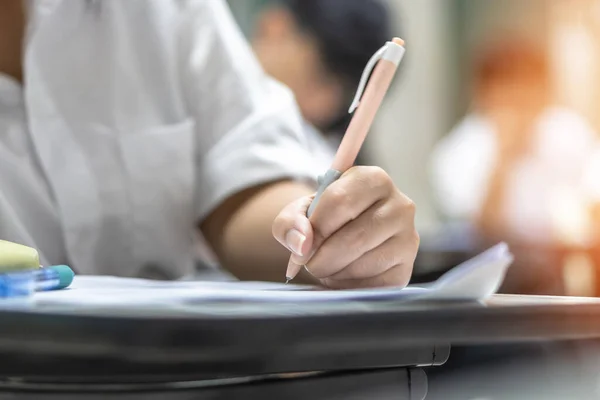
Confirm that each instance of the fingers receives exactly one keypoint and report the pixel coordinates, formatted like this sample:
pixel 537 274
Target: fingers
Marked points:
pixel 374 227
pixel 373 263
pixel 345 200
pixel 292 228
pixel 397 252
pixel 397 276
pixel 377 249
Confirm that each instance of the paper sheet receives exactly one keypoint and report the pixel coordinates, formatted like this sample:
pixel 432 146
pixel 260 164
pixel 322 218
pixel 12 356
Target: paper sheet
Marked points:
pixel 476 279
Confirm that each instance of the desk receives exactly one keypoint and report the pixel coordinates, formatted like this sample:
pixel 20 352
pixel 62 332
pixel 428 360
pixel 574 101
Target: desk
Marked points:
pixel 73 352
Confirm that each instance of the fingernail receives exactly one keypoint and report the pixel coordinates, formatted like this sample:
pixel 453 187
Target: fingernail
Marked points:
pixel 294 241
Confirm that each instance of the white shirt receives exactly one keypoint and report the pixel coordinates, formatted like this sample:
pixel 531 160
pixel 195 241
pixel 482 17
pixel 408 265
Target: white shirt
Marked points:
pixel 137 119
pixel 462 164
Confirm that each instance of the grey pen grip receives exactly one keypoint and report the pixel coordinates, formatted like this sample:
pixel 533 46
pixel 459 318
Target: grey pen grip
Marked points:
pixel 330 176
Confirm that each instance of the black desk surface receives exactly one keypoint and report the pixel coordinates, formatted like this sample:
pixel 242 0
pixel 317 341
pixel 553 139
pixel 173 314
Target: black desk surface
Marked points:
pixel 223 341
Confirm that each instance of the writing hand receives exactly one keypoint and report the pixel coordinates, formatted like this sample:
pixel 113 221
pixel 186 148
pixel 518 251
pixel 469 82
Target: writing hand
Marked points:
pixel 361 234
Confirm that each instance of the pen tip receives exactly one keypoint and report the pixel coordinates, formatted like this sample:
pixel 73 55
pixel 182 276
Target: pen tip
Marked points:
pixel 287 280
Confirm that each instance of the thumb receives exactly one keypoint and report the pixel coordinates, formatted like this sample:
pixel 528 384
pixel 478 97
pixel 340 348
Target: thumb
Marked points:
pixel 292 228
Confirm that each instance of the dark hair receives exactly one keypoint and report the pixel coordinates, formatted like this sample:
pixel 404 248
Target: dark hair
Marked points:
pixel 348 32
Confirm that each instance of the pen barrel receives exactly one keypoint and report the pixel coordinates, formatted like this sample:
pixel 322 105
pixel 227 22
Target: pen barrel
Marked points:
pixel 364 115
pixel 46 279
pixel 330 176
pixel 16 284
pixel 55 277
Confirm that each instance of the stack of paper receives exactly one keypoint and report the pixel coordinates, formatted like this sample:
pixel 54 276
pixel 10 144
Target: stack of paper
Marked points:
pixel 475 279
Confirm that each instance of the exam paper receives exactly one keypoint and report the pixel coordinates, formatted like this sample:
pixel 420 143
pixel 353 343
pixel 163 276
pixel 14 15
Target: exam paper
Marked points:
pixel 476 279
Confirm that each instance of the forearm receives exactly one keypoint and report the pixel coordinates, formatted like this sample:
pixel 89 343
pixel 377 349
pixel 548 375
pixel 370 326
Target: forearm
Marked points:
pixel 240 232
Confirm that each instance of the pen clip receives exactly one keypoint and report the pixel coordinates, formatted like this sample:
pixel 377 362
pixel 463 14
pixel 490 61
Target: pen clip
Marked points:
pixel 365 76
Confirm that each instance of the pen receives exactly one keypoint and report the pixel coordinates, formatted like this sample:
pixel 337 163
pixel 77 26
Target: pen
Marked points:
pixel 53 278
pixel 383 64
pixel 24 283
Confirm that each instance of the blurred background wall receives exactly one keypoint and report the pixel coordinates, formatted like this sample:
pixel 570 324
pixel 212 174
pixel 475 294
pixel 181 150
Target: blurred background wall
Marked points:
pixel 433 93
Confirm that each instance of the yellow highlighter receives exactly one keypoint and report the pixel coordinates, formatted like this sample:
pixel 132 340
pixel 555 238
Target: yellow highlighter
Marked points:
pixel 15 256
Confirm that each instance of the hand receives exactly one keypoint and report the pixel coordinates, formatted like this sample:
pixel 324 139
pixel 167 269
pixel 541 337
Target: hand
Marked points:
pixel 361 234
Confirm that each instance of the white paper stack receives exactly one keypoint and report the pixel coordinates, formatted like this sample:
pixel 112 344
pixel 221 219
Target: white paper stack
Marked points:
pixel 476 279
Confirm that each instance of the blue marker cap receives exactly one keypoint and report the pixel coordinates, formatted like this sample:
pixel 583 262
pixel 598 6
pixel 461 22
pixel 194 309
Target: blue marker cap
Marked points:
pixel 65 275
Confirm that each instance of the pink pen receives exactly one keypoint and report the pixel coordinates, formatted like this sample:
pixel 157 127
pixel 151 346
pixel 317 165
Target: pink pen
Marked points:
pixel 383 64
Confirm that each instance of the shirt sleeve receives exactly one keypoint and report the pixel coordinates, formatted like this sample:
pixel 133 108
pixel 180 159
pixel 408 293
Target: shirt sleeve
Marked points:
pixel 248 127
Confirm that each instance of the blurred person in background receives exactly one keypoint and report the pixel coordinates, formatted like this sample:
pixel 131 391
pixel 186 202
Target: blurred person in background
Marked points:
pixel 511 164
pixel 319 48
